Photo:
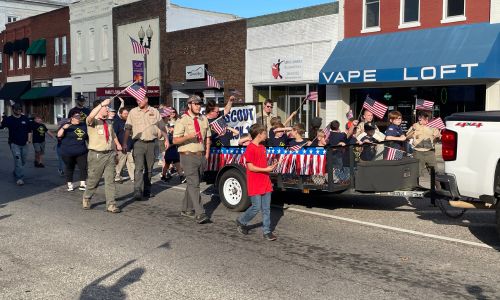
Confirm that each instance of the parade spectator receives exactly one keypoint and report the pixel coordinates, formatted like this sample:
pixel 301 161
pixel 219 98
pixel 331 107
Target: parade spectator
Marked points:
pixel 369 148
pixel 172 153
pixel 101 156
pixel 39 132
pixel 73 149
pixel 320 140
pixel 192 135
pixel 367 119
pixel 213 114
pixel 336 137
pixel 80 108
pixel 296 136
pixel 394 132
pixel 144 124
pixel 123 157
pixel 277 135
pixel 20 134
pixel 258 183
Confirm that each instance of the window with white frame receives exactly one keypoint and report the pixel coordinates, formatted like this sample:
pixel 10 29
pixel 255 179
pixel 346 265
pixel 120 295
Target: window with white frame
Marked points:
pixel 11 62
pixel 56 51
pixel 91 44
pixel 37 61
pixel 371 14
pixel 11 19
pixel 1 62
pixel 19 60
pixel 28 61
pixel 44 60
pixel 79 46
pixel 104 42
pixel 454 10
pixel 64 51
pixel 410 11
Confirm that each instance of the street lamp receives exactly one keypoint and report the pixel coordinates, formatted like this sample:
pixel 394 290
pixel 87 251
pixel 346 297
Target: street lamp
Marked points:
pixel 142 35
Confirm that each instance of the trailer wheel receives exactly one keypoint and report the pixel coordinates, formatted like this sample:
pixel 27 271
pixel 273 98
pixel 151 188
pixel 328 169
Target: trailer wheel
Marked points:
pixel 233 190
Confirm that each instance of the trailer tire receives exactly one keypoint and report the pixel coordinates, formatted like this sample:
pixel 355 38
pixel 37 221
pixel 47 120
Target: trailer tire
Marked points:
pixel 233 190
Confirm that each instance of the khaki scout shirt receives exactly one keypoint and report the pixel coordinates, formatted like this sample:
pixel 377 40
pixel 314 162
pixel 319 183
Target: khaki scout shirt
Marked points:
pixel 266 120
pixel 144 124
pixel 185 125
pixel 97 137
pixel 424 136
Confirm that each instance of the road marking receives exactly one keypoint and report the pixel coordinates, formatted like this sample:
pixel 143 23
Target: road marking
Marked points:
pixel 412 232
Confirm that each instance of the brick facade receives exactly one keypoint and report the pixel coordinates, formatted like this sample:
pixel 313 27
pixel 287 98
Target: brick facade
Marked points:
pixel 431 13
pixel 220 46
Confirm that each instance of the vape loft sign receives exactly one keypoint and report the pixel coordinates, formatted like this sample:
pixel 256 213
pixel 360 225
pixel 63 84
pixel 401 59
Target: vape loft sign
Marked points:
pixel 444 72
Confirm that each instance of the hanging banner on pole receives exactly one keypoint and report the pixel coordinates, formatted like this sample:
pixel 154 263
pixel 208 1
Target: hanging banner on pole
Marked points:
pixel 138 72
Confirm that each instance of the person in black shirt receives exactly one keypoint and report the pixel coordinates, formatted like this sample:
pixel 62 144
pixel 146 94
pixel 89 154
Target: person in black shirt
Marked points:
pixel 20 133
pixel 369 143
pixel 80 109
pixel 213 114
pixel 123 158
pixel 73 137
pixel 39 131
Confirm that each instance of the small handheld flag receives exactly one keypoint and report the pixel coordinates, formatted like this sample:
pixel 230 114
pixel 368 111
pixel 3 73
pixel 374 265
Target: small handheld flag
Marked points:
pixel 313 96
pixel 393 154
pixel 422 104
pixel 326 131
pixel 136 91
pixel 219 126
pixel 349 114
pixel 437 123
pixel 377 108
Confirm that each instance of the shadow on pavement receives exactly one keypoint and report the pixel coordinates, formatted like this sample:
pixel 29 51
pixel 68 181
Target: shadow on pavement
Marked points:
pixel 95 290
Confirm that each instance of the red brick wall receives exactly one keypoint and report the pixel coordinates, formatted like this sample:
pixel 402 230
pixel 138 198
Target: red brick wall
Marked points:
pixel 15 31
pixel 431 12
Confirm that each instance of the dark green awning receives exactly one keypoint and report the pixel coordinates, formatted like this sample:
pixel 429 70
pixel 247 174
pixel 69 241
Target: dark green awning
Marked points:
pixel 34 93
pixel 63 91
pixel 37 48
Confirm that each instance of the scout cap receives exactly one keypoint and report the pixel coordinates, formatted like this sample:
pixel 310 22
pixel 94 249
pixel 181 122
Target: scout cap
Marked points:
pixel 194 99
pixel 17 106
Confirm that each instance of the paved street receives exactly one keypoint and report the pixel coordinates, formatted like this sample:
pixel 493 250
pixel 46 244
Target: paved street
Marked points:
pixel 328 247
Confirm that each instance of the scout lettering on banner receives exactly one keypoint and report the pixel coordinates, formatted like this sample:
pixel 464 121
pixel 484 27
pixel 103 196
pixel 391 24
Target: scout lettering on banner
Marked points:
pixel 241 118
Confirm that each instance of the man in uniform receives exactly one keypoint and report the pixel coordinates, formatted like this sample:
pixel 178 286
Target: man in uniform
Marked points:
pixel 101 156
pixel 80 108
pixel 192 135
pixel 424 138
pixel 144 124
pixel 267 115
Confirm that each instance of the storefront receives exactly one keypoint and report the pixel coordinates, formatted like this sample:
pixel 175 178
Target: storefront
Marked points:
pixel 47 101
pixel 456 67
pixel 153 94
pixel 285 51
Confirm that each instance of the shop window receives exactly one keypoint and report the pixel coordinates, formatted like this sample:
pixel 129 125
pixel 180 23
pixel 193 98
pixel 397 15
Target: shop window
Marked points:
pixel 19 60
pixel 371 15
pixel 56 51
pixel 64 57
pixel 11 62
pixel 410 13
pixel 453 11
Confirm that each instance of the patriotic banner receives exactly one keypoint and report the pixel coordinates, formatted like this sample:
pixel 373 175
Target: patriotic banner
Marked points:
pixel 138 72
pixel 437 123
pixel 422 104
pixel 377 108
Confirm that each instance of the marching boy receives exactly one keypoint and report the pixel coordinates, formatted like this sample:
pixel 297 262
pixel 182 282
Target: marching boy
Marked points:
pixel 258 183
pixel 39 131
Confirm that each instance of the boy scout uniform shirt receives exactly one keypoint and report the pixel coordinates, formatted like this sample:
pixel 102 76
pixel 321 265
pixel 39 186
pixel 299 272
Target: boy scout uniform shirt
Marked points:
pixel 184 126
pixel 144 124
pixel 97 136
pixel 423 137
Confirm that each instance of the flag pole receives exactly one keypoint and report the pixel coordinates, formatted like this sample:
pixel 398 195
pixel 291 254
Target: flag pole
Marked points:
pixel 121 92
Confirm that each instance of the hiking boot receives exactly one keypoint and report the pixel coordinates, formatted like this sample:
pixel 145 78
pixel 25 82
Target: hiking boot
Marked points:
pixel 270 236
pixel 113 209
pixel 20 182
pixel 86 203
pixel 241 228
pixel 202 219
pixel 189 214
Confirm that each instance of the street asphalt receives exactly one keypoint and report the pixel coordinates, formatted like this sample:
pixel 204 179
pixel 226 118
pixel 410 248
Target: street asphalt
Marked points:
pixel 328 247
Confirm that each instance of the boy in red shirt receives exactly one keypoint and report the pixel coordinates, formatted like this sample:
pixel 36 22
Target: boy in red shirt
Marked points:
pixel 258 183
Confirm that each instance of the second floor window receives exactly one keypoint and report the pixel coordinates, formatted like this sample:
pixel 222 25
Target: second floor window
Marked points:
pixel 104 42
pixel 44 60
pixel 19 60
pixel 1 62
pixel 371 13
pixel 56 51
pixel 11 19
pixel 454 8
pixel 410 11
pixel 91 44
pixel 64 50
pixel 79 46
pixel 28 61
pixel 11 62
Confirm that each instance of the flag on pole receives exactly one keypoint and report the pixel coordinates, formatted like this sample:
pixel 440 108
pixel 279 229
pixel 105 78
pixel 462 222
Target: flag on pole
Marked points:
pixel 393 154
pixel 212 82
pixel 349 114
pixel 313 96
pixel 377 108
pixel 219 126
pixel 295 148
pixel 137 47
pixel 136 91
pixel 422 104
pixel 437 123
pixel 326 131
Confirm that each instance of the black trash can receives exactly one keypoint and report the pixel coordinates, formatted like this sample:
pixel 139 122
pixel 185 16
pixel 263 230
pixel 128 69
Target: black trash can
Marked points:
pixel 386 175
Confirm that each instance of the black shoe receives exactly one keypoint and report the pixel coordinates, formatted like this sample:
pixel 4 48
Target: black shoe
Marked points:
pixel 270 236
pixel 202 219
pixel 189 214
pixel 241 228
pixel 182 178
pixel 147 195
pixel 37 165
pixel 166 178
pixel 138 196
pixel 40 165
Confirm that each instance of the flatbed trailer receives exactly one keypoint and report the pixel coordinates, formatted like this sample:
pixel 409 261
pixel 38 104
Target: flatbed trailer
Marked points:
pixel 335 170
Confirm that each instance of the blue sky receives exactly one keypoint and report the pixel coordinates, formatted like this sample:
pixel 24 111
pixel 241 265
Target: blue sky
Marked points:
pixel 248 8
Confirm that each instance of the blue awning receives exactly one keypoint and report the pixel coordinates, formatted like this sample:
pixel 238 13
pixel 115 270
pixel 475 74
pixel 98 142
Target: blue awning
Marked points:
pixel 445 53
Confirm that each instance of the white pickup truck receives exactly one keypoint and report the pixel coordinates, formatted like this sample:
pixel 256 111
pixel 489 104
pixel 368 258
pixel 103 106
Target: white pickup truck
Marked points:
pixel 471 154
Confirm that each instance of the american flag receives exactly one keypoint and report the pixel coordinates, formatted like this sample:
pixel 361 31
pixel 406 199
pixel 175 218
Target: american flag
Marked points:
pixel 422 104
pixel 219 126
pixel 375 107
pixel 393 154
pixel 326 131
pixel 138 48
pixel 349 114
pixel 313 96
pixel 437 123
pixel 212 82
pixel 295 148
pixel 136 91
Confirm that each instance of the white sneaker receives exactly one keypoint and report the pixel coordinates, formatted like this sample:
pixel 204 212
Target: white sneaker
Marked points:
pixel 70 187
pixel 20 182
pixel 82 186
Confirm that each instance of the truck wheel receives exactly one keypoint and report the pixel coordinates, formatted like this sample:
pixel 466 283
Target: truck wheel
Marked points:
pixel 233 190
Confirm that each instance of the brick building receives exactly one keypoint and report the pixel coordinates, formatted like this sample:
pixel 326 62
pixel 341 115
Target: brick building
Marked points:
pixel 36 52
pixel 397 51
